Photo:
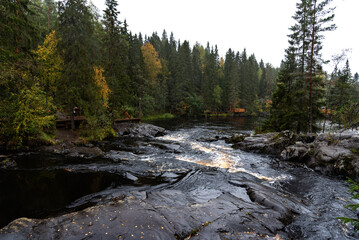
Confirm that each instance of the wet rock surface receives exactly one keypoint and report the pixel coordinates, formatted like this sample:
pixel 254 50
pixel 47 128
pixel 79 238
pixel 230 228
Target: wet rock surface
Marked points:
pixel 269 143
pixel 336 153
pixel 205 202
pixel 178 186
pixel 139 130
pixel 74 148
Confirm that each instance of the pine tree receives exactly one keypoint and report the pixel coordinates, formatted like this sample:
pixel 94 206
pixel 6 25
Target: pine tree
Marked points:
pixel 116 51
pixel 172 84
pixel 282 114
pixel 210 79
pixel 184 76
pixel 313 17
pixel 197 67
pixel 321 16
pixel 343 91
pixel 136 70
pixel 77 87
pixel 18 31
pixel 262 80
pixel 231 90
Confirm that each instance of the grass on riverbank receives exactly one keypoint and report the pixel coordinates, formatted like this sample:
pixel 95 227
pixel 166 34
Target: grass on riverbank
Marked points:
pixel 157 117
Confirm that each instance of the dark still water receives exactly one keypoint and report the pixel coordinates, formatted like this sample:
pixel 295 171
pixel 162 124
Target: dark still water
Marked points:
pixel 43 185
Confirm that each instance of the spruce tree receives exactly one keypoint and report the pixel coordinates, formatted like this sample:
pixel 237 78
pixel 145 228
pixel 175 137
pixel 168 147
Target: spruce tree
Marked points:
pixel 197 67
pixel 320 21
pixel 231 90
pixel 262 80
pixel 116 60
pixel 184 77
pixel 210 79
pixel 75 28
pixel 313 17
pixel 343 91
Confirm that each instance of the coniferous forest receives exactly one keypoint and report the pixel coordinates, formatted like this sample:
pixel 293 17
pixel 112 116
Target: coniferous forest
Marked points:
pixel 57 56
pixel 254 150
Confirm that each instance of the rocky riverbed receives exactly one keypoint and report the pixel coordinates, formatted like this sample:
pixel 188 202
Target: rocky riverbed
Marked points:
pixel 187 184
pixel 330 153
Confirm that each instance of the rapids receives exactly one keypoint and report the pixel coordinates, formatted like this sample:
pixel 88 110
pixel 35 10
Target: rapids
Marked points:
pixel 192 157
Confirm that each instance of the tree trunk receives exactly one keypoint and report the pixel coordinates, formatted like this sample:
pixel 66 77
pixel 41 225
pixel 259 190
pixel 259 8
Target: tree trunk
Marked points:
pixel 310 110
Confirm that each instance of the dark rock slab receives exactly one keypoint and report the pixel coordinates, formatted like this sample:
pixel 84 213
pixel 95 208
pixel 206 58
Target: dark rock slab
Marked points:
pixel 204 205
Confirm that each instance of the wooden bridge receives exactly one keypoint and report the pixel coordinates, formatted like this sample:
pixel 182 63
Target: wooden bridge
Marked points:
pixel 66 122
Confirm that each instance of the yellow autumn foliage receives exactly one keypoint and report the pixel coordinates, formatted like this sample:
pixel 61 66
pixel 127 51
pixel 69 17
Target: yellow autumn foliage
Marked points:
pixel 51 62
pixel 152 63
pixel 101 83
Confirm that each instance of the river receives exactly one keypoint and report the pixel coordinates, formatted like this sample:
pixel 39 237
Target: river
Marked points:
pixel 190 170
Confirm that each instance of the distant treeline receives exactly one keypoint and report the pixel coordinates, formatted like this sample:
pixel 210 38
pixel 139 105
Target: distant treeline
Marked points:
pixel 57 56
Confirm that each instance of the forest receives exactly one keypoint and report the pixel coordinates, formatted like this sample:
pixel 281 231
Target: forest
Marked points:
pixel 57 56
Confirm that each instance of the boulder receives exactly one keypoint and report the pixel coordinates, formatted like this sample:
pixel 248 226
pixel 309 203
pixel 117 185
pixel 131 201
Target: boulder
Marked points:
pixel 299 152
pixel 336 153
pixel 270 143
pixel 236 138
pixel 139 130
pixel 72 150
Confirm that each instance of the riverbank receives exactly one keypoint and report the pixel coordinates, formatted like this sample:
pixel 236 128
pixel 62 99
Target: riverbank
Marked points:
pixel 334 153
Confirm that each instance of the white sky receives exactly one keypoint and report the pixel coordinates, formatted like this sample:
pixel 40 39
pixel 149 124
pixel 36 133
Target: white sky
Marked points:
pixel 260 26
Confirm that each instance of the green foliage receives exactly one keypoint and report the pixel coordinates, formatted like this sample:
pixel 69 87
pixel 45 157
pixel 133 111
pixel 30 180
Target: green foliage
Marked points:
pixel 348 115
pixel 299 93
pixel 51 64
pixel 75 31
pixel 18 31
pixel 217 95
pixel 97 128
pixel 354 190
pixel 30 116
pixel 115 57
pixel 196 105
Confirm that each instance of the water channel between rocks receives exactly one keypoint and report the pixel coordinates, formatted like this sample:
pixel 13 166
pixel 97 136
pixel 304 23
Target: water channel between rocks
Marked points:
pixel 189 183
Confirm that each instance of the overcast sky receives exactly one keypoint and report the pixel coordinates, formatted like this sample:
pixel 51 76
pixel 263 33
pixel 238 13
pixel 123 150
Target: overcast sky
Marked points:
pixel 260 26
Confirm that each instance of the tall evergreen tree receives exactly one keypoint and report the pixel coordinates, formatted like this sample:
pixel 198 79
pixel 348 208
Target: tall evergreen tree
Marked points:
pixel 343 91
pixel 116 51
pixel 231 91
pixel 210 79
pixel 172 84
pixel 184 76
pixel 262 80
pixel 75 28
pixel 283 116
pixel 321 18
pixel 197 67
pixel 136 72
pixel 313 17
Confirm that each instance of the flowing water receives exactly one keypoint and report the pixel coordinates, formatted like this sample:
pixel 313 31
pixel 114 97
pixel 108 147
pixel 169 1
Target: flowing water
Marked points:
pixel 43 185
